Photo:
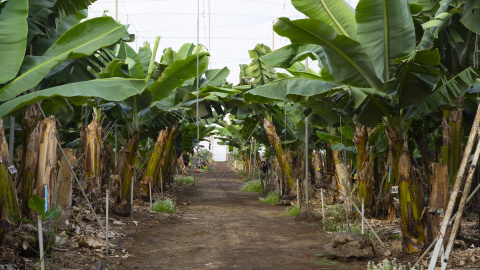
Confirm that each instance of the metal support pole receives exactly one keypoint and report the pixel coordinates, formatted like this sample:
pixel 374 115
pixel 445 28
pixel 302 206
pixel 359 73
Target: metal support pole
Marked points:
pixel 161 180
pixel 116 145
pixel 46 198
pixel 254 157
pixel 306 161
pixel 150 191
pixel 131 200
pixel 107 191
pixel 40 242
pixel 323 206
pixel 363 214
pixel 11 144
pixel 298 193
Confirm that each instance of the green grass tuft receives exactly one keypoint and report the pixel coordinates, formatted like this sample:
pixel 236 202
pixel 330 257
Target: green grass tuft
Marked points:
pixel 252 186
pixel 293 210
pixel 165 206
pixel 185 180
pixel 272 198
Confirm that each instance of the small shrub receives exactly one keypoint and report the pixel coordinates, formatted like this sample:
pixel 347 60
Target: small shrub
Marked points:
pixel 293 210
pixel 393 265
pixel 272 198
pixel 184 180
pixel 165 206
pixel 206 168
pixel 242 173
pixel 252 186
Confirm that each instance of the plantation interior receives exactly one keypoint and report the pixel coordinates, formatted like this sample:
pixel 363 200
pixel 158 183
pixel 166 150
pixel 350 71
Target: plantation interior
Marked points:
pixel 375 105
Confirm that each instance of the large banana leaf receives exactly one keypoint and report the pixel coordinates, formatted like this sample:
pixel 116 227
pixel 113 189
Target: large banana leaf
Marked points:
pixel 115 89
pixel 287 89
pixel 177 73
pixel 348 62
pixel 80 41
pixel 386 31
pixel 286 56
pixel 471 16
pixel 145 54
pixel 70 7
pixel 132 60
pixel 336 13
pixel 13 37
pixel 216 77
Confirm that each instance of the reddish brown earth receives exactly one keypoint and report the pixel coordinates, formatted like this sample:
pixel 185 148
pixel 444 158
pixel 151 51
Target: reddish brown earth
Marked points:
pixel 226 232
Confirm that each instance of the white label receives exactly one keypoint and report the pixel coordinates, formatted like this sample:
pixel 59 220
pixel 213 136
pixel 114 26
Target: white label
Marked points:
pixel 12 169
pixel 394 190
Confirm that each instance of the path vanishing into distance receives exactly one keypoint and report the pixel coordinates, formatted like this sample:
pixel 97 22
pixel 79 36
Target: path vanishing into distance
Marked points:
pixel 227 232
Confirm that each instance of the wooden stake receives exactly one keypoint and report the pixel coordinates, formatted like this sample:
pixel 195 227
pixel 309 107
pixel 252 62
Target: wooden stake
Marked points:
pixel 456 190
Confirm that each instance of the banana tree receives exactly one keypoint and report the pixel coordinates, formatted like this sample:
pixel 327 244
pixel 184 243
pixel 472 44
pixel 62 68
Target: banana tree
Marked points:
pixel 365 64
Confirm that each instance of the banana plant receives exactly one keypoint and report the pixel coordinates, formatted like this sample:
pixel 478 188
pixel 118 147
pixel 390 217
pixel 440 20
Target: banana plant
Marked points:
pixel 381 76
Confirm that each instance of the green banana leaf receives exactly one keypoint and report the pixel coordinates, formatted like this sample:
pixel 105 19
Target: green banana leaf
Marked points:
pixel 132 60
pixel 177 73
pixel 286 56
pixel 286 90
pixel 471 16
pixel 348 62
pixel 145 54
pixel 336 13
pixel 70 7
pixel 216 77
pixel 13 38
pixel 81 40
pixel 115 89
pixel 386 31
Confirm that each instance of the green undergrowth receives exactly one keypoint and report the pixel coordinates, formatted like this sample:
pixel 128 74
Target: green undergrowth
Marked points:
pixel 165 206
pixel 185 180
pixel 252 186
pixel 334 221
pixel 293 210
pixel 272 197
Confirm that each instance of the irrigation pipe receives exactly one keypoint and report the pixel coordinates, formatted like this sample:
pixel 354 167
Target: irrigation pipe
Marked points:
pixel 368 223
pixel 75 176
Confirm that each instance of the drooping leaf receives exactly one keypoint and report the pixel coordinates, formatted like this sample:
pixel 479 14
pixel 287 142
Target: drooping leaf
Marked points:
pixel 80 41
pixel 216 77
pixel 13 38
pixel 177 73
pixel 348 62
pixel 471 16
pixel 336 13
pixel 132 60
pixel 115 89
pixel 386 31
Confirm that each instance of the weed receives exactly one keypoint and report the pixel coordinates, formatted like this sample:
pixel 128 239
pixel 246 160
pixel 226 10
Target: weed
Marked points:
pixel 272 197
pixel 395 236
pixel 184 180
pixel 242 173
pixel 293 210
pixel 165 206
pixel 252 186
pixel 387 265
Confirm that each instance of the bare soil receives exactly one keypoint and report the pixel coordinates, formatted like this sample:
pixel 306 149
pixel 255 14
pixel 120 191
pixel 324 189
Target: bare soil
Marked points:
pixel 220 231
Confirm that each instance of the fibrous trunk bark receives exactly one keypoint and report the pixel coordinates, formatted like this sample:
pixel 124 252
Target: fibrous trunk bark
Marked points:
pixel 93 150
pixel 439 196
pixel 167 153
pixel 153 167
pixel 246 161
pixel 63 188
pixel 277 146
pixel 9 211
pixel 409 193
pixel 452 139
pixel 47 160
pixel 125 170
pixel 29 157
pixel 341 174
pixel 365 172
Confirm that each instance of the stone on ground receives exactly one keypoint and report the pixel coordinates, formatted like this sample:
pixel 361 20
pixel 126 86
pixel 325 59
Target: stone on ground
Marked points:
pixel 349 246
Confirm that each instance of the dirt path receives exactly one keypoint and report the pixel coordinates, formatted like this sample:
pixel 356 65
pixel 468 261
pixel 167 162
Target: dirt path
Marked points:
pixel 234 232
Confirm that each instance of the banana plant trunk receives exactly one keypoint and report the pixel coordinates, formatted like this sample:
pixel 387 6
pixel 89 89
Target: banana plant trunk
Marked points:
pixel 365 172
pixel 9 210
pixel 93 150
pixel 47 160
pixel 246 162
pixel 452 139
pixel 153 167
pixel 29 158
pixel 277 146
pixel 63 188
pixel 167 153
pixel 409 192
pixel 341 174
pixel 125 170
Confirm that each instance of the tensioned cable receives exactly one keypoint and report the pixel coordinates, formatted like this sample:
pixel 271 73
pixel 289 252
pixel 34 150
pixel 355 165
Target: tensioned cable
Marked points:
pixel 198 67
